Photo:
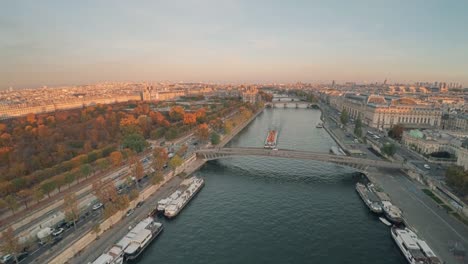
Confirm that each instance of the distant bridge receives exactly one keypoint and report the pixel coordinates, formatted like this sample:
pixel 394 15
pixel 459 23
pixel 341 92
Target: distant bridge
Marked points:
pixel 293 104
pixel 354 162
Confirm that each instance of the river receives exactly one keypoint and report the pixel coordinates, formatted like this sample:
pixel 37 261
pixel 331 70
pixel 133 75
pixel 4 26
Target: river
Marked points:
pixel 266 210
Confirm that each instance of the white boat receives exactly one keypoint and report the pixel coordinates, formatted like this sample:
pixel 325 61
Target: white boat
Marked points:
pixel 392 212
pixel 383 220
pixel 139 238
pixel 113 256
pixel 178 204
pixel 163 203
pixel 415 250
pixel 369 198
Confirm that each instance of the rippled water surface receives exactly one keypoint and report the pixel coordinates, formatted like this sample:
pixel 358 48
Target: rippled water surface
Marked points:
pixel 264 210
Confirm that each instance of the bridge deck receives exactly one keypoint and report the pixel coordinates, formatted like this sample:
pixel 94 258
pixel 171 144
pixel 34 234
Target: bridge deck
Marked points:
pixel 217 153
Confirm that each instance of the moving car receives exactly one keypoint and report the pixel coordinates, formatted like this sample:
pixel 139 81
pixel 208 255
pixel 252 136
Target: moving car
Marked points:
pixel 97 206
pixel 58 232
pixel 130 212
pixel 426 166
pixel 139 204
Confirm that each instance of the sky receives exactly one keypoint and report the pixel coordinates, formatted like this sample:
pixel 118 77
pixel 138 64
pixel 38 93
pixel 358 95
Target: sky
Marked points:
pixel 79 42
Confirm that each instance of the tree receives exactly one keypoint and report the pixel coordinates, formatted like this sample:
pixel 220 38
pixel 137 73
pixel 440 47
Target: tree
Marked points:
pixel 201 115
pixel 396 131
pixel 135 142
pixel 38 195
pixel 116 158
pixel 344 117
pixel 202 132
pixel 70 204
pixel 12 203
pixel 190 119
pixel 358 127
pixel 160 159
pixel 388 149
pixel 26 195
pixel 10 243
pixel 102 163
pixel 3 204
pixel 86 170
pixel 137 169
pixel 182 150
pixel 69 178
pixel 97 229
pixel 457 179
pixel 215 138
pixel 228 125
pixel 176 113
pixel 175 162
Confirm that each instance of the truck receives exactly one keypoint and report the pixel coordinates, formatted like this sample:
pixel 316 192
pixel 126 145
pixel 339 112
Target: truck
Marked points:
pixel 44 234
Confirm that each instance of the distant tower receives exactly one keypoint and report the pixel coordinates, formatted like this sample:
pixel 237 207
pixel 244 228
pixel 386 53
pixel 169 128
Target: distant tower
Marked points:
pixel 147 93
pixel 385 82
pixel 333 84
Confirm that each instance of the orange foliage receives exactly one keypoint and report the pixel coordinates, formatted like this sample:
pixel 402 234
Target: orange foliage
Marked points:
pixel 190 119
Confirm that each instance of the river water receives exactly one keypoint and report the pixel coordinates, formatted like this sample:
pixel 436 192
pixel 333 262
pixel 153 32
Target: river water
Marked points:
pixel 266 210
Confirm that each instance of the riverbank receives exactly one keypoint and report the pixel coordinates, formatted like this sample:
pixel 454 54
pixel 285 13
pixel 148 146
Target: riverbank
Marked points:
pixel 86 244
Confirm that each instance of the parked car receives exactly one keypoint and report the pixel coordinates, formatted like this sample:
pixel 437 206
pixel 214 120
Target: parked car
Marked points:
pixel 97 206
pixel 57 239
pixel 139 204
pixel 58 232
pixel 426 166
pixel 22 255
pixel 7 259
pixel 130 212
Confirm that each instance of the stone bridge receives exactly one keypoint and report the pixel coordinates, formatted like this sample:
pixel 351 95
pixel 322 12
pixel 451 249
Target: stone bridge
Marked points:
pixel 354 162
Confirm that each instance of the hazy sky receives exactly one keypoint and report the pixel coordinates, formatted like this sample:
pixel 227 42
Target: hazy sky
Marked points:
pixel 76 42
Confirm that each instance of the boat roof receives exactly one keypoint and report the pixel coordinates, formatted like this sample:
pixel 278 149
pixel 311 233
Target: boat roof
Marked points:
pixel 103 259
pixel 115 251
pixel 132 248
pixel 426 249
pixel 408 238
pixel 141 236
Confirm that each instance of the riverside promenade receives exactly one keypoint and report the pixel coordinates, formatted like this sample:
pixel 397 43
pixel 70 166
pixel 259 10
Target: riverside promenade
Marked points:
pixel 90 245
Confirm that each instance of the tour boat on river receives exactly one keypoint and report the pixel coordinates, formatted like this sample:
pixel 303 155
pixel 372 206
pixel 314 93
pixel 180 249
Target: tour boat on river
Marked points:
pixel 270 141
pixel 392 212
pixel 132 244
pixel 163 203
pixel 415 250
pixel 194 186
pixel 369 198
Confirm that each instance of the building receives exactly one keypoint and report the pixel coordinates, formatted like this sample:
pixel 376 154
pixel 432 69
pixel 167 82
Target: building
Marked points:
pixel 382 113
pixel 430 141
pixel 250 95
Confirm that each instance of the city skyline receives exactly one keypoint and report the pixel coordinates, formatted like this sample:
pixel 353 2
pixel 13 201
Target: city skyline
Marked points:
pixel 58 43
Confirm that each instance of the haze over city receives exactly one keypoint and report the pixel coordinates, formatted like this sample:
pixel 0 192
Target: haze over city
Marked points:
pixel 67 43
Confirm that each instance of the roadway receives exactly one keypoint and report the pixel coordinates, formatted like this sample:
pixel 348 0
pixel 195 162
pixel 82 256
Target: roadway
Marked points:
pixel 428 219
pixel 88 217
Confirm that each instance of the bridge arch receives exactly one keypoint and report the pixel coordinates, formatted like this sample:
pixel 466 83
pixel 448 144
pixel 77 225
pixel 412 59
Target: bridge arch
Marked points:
pixel 360 164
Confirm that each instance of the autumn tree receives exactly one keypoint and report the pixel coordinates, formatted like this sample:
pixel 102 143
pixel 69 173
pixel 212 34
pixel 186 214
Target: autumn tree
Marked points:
pixel 160 159
pixel 10 243
pixel 72 212
pixel 137 169
pixel 96 229
pixel 175 162
pixel 201 115
pixel 176 113
pixel 116 158
pixel 190 119
pixel 202 132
